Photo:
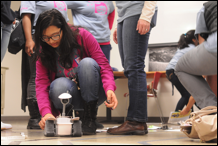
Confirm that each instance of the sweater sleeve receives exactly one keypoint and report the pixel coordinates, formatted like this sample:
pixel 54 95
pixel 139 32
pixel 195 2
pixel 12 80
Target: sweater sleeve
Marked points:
pixel 111 19
pixel 148 10
pixel 42 89
pixel 93 50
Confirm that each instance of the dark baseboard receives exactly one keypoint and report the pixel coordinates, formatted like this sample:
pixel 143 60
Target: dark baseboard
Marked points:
pixel 100 119
pixel 17 118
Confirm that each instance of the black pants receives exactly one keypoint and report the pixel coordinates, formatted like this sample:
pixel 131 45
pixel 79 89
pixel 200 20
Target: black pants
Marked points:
pixel 171 76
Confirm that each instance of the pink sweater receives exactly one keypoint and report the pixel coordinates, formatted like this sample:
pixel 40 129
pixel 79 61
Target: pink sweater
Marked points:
pixel 43 80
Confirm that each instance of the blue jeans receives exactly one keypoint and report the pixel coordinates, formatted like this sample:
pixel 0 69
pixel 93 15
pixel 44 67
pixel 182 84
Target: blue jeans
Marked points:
pixel 106 49
pixel 133 48
pixel 90 83
pixel 5 37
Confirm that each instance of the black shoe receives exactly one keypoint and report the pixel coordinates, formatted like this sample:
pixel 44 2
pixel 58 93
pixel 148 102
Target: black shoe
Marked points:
pixel 33 124
pixel 80 114
pixel 99 125
pixel 89 117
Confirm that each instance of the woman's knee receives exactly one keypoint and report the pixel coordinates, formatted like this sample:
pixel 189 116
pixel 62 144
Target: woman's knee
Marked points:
pixel 88 63
pixel 61 83
pixel 59 86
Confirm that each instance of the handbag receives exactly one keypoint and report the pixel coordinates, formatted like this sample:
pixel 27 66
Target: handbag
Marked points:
pixel 17 38
pixel 202 124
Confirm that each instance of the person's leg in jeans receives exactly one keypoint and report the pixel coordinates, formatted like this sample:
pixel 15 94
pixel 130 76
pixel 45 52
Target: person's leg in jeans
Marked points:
pixel 132 52
pixel 133 48
pixel 65 85
pixel 5 36
pixel 90 82
pixel 92 92
pixel 190 69
pixel 106 49
pixel 32 104
pixel 91 87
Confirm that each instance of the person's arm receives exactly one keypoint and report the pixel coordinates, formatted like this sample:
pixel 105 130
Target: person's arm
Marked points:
pixel 111 19
pixel 29 45
pixel 189 106
pixel 42 82
pixel 42 94
pixel 148 11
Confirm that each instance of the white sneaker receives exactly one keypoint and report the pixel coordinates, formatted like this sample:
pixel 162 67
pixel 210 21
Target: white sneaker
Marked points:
pixel 5 126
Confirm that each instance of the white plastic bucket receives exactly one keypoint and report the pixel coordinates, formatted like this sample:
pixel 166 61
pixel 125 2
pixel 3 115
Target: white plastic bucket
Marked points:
pixel 64 126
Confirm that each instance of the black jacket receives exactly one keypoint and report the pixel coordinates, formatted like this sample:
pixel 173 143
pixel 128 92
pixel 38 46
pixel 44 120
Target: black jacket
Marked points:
pixel 7 15
pixel 210 15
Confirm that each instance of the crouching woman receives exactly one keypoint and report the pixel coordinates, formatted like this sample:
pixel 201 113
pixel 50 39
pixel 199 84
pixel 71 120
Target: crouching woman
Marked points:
pixel 70 60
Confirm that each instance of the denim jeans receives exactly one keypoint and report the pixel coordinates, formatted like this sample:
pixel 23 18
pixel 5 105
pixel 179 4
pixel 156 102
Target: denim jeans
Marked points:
pixel 184 93
pixel 106 49
pixel 133 48
pixel 90 83
pixel 5 37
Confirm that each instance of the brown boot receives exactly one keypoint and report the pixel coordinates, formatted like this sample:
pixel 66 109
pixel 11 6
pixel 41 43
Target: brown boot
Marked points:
pixel 129 127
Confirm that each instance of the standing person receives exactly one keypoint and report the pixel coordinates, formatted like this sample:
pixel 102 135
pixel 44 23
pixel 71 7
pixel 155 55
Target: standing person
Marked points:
pixel 30 10
pixel 186 43
pixel 132 35
pixel 98 18
pixel 7 19
pixel 67 55
pixel 202 60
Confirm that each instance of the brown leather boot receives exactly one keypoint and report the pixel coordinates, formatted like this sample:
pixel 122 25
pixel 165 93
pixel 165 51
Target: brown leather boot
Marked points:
pixel 129 127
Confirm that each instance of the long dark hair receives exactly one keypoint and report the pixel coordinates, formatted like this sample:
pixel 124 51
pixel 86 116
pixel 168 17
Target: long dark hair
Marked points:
pixel 68 42
pixel 186 39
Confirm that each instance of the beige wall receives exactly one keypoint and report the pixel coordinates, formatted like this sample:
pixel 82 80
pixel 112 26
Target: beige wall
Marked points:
pixel 174 18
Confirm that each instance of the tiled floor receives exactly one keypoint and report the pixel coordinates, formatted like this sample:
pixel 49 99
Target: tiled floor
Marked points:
pixel 154 137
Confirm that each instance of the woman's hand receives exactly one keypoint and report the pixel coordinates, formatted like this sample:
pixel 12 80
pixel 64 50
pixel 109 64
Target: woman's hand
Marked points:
pixel 111 100
pixel 143 26
pixel 42 122
pixel 30 44
pixel 115 36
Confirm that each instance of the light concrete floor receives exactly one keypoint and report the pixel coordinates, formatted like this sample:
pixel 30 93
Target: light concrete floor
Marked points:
pixel 154 137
